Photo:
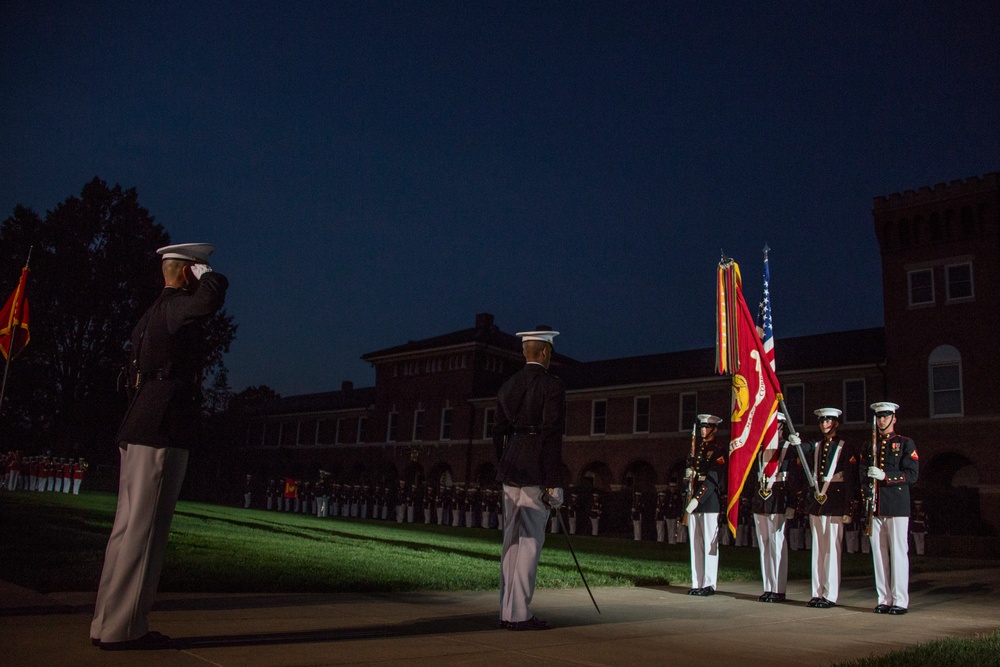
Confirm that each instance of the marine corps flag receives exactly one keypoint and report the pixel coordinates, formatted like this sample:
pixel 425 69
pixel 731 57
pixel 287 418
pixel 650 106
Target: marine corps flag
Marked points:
pixel 14 320
pixel 756 392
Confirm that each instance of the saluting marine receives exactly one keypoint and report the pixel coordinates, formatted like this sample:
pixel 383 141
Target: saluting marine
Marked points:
pixel 890 473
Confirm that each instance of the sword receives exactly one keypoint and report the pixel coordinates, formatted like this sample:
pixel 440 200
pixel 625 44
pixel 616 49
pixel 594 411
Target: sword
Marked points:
pixel 562 524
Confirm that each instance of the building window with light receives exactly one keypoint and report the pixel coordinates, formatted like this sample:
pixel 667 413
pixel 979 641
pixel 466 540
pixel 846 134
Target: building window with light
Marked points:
pixel 944 370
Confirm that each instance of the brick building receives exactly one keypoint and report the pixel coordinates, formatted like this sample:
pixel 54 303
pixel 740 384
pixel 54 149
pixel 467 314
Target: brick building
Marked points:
pixel 429 415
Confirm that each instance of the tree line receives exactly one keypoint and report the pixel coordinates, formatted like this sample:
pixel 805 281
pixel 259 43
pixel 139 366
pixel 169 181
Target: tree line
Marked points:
pixel 93 272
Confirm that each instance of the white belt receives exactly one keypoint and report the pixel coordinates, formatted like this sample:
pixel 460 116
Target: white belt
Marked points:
pixel 839 477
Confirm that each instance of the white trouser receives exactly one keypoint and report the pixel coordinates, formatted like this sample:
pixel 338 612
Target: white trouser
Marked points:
pixel 661 531
pixel 148 486
pixel 594 526
pixel 773 551
pixel 827 539
pixel 524 534
pixel 892 565
pixel 400 513
pixel 76 486
pixel 703 530
pixel 323 506
pixel 637 529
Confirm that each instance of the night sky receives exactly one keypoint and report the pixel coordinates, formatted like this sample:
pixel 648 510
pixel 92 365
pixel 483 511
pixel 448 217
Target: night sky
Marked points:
pixel 376 172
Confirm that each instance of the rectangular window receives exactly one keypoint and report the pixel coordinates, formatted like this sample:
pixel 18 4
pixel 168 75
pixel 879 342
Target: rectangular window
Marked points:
pixel 362 430
pixel 289 433
pixel 946 390
pixel 307 432
pixel 921 286
pixel 855 405
pixel 489 420
pixel 446 424
pixel 640 423
pixel 688 412
pixel 327 433
pixel 958 281
pixel 599 417
pixel 795 401
pixel 392 431
pixel 418 425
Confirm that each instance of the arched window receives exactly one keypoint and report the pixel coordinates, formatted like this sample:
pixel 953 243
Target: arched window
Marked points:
pixel 944 378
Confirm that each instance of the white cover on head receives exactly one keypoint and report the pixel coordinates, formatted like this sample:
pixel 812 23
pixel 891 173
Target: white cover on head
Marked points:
pixel 545 336
pixel 884 406
pixel 191 252
pixel 828 412
pixel 709 419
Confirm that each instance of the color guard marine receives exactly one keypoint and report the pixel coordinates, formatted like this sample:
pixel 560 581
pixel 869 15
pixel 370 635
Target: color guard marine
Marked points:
pixel 771 510
pixel 706 475
pixel 830 503
pixel 890 468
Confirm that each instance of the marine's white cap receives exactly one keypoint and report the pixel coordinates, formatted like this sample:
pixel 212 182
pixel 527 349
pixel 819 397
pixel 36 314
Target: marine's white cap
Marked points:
pixel 884 406
pixel 828 412
pixel 191 252
pixel 710 420
pixel 542 333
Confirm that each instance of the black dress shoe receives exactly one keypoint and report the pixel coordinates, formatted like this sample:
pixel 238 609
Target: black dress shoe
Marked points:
pixel 708 590
pixel 766 597
pixel 95 642
pixel 897 611
pixel 825 604
pixel 777 597
pixel 694 591
pixel 532 623
pixel 151 641
pixel 882 609
pixel 504 624
pixel 815 602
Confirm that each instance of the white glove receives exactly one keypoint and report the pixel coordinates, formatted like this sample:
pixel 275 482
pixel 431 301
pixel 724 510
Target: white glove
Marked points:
pixel 689 473
pixel 847 518
pixel 876 473
pixel 794 440
pixel 200 269
pixel 691 505
pixel 790 513
pixel 555 497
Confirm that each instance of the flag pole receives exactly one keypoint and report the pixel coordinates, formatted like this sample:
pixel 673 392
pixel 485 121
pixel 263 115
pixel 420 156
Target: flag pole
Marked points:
pixel 14 326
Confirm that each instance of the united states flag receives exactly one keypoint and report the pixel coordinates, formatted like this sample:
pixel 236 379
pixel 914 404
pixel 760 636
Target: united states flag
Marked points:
pixel 766 333
pixel 764 323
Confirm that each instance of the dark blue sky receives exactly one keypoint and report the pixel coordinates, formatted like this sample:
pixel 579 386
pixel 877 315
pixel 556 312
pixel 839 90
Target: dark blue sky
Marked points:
pixel 375 172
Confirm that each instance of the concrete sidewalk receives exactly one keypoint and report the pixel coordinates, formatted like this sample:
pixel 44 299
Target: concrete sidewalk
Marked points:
pixel 637 626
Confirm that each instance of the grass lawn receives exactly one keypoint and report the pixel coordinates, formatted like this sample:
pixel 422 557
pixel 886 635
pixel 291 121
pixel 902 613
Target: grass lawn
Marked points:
pixel 980 651
pixel 55 542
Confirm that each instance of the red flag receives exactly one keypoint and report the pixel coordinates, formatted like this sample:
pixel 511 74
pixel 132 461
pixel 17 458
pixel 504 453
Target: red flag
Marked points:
pixel 14 333
pixel 756 391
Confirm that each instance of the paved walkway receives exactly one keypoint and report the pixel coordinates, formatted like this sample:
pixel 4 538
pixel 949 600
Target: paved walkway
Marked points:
pixel 637 626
